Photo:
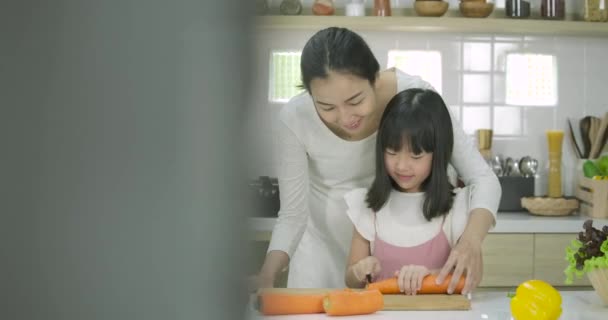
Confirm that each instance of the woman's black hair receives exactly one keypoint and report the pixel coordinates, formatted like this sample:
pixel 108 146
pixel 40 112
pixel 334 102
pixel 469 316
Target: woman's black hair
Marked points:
pixel 340 50
pixel 419 119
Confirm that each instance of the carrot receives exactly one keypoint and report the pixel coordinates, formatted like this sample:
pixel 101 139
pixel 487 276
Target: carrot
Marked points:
pixel 348 302
pixel 284 303
pixel 390 286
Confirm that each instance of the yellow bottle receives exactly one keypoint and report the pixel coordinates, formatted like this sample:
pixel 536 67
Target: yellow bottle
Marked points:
pixel 554 139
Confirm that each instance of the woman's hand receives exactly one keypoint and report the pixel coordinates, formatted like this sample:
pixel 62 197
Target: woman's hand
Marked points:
pixel 464 258
pixel 466 254
pixel 409 278
pixel 369 265
pixel 260 281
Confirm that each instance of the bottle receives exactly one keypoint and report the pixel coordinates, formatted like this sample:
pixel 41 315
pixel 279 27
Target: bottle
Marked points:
pixel 517 8
pixel 594 10
pixel 323 8
pixel 554 140
pixel 290 7
pixel 553 9
pixel 355 8
pixel 382 8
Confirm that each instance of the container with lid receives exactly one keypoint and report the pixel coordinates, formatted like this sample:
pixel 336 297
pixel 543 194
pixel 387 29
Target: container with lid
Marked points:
pixel 382 8
pixel 517 9
pixel 290 7
pixel 356 8
pixel 594 10
pixel 323 7
pixel 553 9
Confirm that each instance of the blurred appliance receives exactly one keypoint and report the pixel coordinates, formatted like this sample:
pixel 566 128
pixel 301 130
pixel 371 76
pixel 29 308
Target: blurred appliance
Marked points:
pixel 264 193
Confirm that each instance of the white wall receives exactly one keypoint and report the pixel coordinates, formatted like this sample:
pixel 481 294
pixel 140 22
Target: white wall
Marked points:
pixel 582 74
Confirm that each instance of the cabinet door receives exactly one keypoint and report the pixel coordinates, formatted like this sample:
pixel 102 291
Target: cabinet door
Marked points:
pixel 549 259
pixel 507 259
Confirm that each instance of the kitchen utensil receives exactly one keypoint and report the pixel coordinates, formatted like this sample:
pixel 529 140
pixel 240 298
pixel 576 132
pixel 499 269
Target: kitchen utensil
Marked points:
pixel 496 167
pixel 533 166
pixel 528 166
pixel 599 140
pixel 401 302
pixel 585 125
pixel 515 168
pixel 508 168
pixel 577 150
pixel 593 129
pixel 500 160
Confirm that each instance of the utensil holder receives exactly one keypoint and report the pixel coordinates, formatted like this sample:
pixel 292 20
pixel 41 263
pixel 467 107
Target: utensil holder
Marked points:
pixel 593 195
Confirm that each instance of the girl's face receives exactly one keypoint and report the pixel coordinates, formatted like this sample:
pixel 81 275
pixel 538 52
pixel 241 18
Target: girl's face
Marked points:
pixel 345 102
pixel 407 169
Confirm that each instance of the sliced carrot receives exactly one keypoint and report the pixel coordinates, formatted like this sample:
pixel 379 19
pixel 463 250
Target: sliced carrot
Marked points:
pixel 390 286
pixel 348 302
pixel 286 303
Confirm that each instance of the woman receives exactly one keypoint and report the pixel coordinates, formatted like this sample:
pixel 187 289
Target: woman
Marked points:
pixel 326 142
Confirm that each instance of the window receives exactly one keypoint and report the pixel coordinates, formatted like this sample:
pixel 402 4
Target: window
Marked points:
pixel 531 80
pixel 285 75
pixel 426 64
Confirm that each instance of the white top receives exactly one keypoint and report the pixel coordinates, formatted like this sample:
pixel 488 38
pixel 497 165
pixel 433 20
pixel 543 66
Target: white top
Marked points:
pixel 401 221
pixel 316 168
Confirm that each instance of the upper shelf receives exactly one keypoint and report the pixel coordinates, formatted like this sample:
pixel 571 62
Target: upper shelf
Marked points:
pixel 442 24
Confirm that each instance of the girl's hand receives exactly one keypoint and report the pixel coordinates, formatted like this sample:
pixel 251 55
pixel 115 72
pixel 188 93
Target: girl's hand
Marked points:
pixel 410 278
pixel 369 265
pixel 465 257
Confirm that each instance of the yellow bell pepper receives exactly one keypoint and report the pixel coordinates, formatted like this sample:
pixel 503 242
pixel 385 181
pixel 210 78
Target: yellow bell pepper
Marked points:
pixel 536 299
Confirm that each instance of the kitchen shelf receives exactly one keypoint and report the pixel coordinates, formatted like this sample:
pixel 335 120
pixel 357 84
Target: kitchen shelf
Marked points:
pixel 442 24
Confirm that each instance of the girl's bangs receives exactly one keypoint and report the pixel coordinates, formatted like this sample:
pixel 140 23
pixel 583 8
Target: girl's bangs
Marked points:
pixel 411 130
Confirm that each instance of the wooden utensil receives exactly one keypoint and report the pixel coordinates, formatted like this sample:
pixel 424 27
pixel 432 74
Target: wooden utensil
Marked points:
pixel 585 124
pixel 600 138
pixel 593 129
pixel 573 141
pixel 400 302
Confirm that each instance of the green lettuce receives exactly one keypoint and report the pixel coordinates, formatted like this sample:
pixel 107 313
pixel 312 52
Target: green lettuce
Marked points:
pixel 589 265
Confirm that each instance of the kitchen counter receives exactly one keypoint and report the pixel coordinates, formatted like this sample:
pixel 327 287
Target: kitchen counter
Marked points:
pixel 492 305
pixel 507 222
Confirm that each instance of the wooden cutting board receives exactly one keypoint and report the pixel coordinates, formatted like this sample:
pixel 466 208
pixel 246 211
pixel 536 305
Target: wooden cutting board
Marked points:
pixel 401 302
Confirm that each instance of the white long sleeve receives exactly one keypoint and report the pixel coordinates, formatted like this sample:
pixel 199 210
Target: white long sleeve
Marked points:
pixel 293 184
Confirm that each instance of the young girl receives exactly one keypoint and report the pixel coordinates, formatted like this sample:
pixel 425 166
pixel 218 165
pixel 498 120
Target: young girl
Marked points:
pixel 411 217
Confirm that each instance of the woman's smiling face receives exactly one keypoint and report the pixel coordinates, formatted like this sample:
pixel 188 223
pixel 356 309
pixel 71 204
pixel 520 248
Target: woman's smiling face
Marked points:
pixel 346 103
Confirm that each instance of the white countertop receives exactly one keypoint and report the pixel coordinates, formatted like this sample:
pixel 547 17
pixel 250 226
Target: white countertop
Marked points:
pixel 576 305
pixel 507 222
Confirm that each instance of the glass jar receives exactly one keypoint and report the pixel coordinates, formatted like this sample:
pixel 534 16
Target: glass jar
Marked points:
pixel 594 10
pixel 290 7
pixel 356 8
pixel 382 8
pixel 323 8
pixel 517 8
pixel 553 9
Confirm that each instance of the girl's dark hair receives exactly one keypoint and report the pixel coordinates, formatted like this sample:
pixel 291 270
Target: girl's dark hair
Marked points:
pixel 340 50
pixel 420 119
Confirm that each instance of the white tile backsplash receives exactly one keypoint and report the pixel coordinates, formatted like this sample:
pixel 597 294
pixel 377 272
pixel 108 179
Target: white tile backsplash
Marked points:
pixel 476 88
pixel 473 85
pixel 477 56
